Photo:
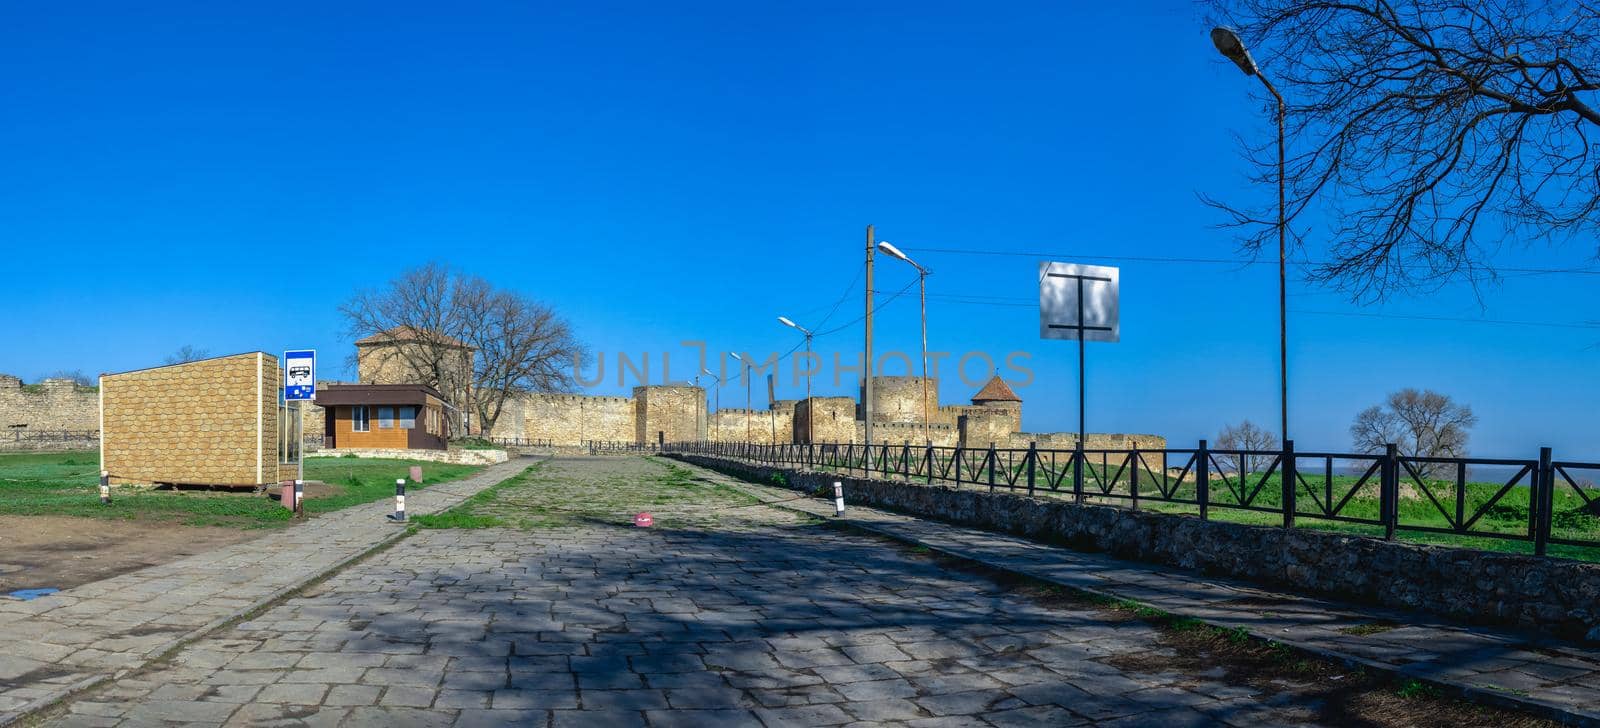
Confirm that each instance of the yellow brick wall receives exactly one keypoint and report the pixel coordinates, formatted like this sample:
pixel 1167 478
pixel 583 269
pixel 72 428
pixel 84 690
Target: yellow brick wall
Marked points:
pixel 211 422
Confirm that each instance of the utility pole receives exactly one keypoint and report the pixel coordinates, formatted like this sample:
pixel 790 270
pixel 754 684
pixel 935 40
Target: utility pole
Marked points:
pixel 866 371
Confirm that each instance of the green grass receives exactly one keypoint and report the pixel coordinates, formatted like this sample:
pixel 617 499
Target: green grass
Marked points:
pixel 563 494
pixel 1507 516
pixel 66 484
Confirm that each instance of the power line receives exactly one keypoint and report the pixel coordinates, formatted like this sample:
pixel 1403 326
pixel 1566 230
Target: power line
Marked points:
pixel 1592 326
pixel 1206 261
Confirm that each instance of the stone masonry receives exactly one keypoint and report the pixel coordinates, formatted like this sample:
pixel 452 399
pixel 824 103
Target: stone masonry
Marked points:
pixel 52 404
pixel 672 413
pixel 211 422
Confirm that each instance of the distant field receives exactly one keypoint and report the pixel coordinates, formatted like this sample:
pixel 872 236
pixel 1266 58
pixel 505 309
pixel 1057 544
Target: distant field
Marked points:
pixel 66 484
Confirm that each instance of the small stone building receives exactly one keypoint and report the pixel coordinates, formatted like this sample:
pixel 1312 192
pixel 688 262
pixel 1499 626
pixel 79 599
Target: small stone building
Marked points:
pixel 207 422
pixel 383 416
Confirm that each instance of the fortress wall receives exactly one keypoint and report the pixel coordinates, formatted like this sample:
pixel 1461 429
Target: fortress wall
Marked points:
pixel 52 404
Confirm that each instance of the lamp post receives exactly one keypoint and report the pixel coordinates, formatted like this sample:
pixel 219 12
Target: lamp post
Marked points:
pixel 746 376
pixel 714 378
pixel 1232 48
pixel 922 288
pixel 807 332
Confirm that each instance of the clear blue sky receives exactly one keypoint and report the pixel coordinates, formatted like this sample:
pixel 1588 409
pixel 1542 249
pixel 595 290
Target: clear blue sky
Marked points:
pixel 223 176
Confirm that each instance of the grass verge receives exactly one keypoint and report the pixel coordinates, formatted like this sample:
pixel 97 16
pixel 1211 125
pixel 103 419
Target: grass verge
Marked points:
pixel 66 484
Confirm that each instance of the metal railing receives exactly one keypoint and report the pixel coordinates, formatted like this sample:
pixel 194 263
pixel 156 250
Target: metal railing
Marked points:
pixel 1386 491
pixel 22 439
pixel 522 442
pixel 606 446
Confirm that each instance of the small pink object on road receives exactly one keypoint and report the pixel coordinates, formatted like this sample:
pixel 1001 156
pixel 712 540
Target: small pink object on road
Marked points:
pixel 643 520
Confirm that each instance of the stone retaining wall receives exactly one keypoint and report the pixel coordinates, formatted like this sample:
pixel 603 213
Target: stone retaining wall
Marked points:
pixel 1549 595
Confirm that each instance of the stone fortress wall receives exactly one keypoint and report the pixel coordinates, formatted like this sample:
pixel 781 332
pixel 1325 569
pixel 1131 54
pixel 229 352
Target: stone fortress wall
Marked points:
pixel 49 405
pixel 673 413
pixel 676 413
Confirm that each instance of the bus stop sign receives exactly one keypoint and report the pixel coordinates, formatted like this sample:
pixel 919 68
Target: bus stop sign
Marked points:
pixel 299 375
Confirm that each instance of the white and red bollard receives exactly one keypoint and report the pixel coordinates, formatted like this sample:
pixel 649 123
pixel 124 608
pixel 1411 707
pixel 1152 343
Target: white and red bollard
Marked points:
pixel 838 499
pixel 105 488
pixel 399 515
pixel 299 499
pixel 643 520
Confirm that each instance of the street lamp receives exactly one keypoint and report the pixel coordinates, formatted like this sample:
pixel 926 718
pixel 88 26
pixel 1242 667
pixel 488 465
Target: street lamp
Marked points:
pixel 922 286
pixel 714 378
pixel 808 334
pixel 746 377
pixel 1232 48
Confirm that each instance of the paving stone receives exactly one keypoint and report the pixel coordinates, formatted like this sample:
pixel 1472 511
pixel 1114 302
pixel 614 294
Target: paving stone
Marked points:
pixel 501 718
pixel 294 693
pixel 352 695
pixel 738 619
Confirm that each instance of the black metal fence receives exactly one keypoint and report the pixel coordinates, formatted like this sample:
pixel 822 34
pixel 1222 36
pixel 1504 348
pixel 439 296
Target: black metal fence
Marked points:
pixel 605 446
pixel 522 442
pixel 1539 500
pixel 25 439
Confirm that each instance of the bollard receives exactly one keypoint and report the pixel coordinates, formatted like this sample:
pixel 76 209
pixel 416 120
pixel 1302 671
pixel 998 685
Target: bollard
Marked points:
pixel 105 488
pixel 286 494
pixel 299 499
pixel 416 473
pixel 838 499
pixel 399 515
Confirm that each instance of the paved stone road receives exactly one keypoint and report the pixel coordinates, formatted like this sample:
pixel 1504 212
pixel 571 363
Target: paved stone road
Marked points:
pixel 762 618
pixel 1560 678
pixel 53 643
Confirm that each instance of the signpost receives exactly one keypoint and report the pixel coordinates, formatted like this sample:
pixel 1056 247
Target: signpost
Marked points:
pixel 299 385
pixel 1079 302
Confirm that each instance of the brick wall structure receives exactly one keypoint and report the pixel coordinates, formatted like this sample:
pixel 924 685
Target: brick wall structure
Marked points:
pixel 209 422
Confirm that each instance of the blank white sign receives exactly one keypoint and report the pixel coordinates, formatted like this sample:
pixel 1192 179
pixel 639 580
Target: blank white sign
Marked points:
pixel 1060 303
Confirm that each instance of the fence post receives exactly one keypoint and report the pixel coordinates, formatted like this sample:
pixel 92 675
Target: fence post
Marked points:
pixel 930 463
pixel 991 467
pixel 1389 490
pixel 956 465
pixel 1286 474
pixel 1077 472
pixel 1033 457
pixel 1202 479
pixel 1133 474
pixel 1545 492
pixel 905 462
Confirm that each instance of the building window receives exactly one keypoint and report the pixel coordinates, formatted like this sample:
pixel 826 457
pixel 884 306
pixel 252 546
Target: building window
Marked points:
pixel 358 419
pixel 408 418
pixel 385 418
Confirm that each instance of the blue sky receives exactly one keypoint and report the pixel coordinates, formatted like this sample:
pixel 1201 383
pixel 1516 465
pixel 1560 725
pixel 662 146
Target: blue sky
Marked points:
pixel 225 176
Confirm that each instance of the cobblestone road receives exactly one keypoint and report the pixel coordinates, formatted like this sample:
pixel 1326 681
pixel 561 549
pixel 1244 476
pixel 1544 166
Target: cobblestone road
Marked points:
pixel 756 617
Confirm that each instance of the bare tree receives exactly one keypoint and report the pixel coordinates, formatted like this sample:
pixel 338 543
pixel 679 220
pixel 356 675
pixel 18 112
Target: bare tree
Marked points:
pixel 185 354
pixel 1430 131
pixel 1245 436
pixel 412 333
pixel 477 345
pixel 1422 423
pixel 521 345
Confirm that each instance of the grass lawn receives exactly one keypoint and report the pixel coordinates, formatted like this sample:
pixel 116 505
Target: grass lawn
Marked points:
pixel 66 484
pixel 576 492
pixel 1508 515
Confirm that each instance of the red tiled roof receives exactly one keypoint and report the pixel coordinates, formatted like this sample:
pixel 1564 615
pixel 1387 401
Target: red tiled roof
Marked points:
pixel 996 391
